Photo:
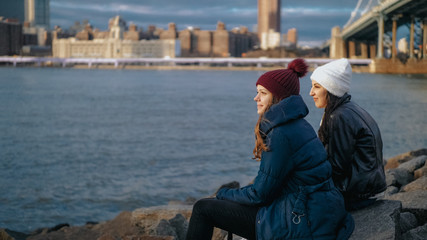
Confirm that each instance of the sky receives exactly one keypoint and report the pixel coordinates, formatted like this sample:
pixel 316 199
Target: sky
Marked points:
pixel 312 18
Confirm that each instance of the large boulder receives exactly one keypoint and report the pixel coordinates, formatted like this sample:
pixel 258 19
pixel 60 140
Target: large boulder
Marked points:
pixel 421 171
pixel 149 218
pixel 414 163
pixel 398 177
pixel 378 221
pixel 418 184
pixel 419 233
pixel 394 162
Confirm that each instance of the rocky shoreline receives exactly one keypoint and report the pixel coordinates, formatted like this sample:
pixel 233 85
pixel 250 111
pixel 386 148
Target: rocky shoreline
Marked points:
pixel 401 214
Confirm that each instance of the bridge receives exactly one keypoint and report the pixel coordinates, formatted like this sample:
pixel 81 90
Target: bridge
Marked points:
pixel 374 35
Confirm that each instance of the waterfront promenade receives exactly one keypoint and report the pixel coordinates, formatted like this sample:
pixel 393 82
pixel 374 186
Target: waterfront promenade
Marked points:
pixel 251 63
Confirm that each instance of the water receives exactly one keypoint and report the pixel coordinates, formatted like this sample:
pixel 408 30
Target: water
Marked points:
pixel 84 145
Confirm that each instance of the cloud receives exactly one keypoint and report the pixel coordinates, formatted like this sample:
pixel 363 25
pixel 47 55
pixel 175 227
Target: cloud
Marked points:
pixel 313 19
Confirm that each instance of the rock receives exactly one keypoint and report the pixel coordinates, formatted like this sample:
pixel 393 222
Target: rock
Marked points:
pixel 419 184
pixel 398 177
pixel 180 224
pixel 411 200
pixel 419 233
pixel 394 162
pixel 421 171
pixel 153 238
pixel 414 164
pixel 391 190
pixel 148 218
pixel 4 235
pixel 107 237
pixel 408 221
pixel 165 229
pixel 188 201
pixel 378 221
pixel 81 233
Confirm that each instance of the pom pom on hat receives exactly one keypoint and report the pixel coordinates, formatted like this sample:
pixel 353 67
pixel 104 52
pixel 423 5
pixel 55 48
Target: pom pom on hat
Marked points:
pixel 283 83
pixel 335 76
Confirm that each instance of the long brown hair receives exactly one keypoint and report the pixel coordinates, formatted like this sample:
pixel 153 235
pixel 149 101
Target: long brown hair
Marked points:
pixel 260 146
pixel 331 103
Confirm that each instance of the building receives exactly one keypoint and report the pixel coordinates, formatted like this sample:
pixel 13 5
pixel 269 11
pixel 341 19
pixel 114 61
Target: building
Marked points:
pixel 34 17
pixel 115 43
pixel 270 40
pixel 35 12
pixel 268 23
pixel 10 37
pixel 218 43
pixel 293 36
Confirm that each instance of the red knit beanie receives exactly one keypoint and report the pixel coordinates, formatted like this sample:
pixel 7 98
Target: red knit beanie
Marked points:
pixel 283 83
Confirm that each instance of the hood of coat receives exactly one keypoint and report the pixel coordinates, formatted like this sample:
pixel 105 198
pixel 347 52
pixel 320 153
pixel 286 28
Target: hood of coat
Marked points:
pixel 288 109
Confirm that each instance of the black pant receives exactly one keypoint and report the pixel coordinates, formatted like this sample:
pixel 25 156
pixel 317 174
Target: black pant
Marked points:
pixel 229 216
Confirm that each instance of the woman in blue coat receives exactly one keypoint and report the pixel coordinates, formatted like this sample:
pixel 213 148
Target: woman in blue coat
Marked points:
pixel 293 196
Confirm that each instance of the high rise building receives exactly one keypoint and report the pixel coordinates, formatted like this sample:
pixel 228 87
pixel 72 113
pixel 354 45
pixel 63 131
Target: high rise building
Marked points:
pixel 34 12
pixel 268 20
pixel 293 36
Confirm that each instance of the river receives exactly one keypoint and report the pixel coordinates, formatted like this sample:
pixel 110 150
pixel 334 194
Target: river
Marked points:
pixel 80 145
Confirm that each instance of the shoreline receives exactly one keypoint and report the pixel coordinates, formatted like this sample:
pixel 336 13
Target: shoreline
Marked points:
pixel 356 69
pixel 378 65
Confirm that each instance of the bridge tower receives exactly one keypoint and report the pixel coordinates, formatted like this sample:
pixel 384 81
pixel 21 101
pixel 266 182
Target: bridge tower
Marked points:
pixel 376 31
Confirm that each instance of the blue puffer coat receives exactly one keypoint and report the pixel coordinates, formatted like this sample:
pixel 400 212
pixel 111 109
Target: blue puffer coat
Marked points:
pixel 293 188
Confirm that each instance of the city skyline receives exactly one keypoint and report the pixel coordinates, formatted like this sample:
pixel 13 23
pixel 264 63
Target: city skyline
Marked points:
pixel 313 19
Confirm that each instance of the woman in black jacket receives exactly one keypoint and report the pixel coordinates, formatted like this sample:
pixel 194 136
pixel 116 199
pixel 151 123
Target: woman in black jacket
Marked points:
pixel 350 135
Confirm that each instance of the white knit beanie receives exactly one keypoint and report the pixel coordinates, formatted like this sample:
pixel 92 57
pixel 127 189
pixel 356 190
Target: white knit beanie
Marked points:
pixel 335 76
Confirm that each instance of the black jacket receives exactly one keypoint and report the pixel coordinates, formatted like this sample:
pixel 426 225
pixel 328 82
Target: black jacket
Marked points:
pixel 354 150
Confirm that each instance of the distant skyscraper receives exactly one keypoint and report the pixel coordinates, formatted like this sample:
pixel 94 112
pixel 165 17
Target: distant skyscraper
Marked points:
pixel 35 12
pixel 268 19
pixel 293 36
pixel 268 16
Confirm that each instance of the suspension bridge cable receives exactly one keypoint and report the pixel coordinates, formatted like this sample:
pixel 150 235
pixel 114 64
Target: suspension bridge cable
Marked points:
pixel 354 12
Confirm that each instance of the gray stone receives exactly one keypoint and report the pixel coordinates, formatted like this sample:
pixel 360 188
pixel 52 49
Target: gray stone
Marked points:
pixel 164 228
pixel 419 184
pixel 148 218
pixel 180 224
pixel 419 233
pixel 378 221
pixel 391 190
pixel 398 177
pixel 411 200
pixel 408 221
pixel 414 164
pixel 394 162
pixel 421 171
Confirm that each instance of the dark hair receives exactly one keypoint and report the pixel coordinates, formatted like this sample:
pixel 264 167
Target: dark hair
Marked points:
pixel 331 103
pixel 260 146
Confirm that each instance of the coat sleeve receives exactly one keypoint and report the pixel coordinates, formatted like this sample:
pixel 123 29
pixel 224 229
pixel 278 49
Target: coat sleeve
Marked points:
pixel 341 144
pixel 276 165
